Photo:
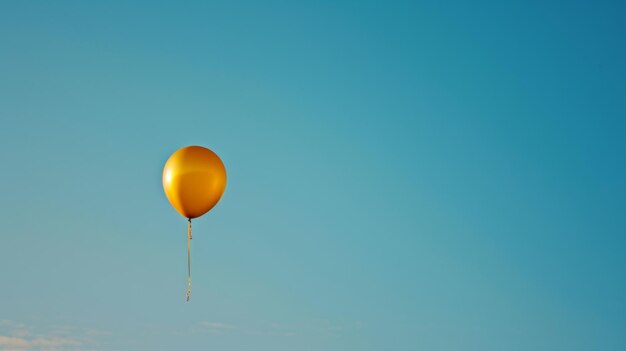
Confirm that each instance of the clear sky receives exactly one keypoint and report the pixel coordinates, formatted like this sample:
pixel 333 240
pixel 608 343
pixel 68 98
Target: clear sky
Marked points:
pixel 426 175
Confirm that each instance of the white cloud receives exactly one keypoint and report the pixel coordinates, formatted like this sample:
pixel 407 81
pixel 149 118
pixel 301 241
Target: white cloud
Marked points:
pixel 53 343
pixel 15 336
pixel 13 342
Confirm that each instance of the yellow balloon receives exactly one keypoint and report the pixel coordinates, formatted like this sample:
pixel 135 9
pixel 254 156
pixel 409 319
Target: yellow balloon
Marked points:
pixel 194 179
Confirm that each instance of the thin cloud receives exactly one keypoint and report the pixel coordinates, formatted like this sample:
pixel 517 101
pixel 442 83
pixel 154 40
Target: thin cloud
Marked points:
pixel 216 327
pixel 318 327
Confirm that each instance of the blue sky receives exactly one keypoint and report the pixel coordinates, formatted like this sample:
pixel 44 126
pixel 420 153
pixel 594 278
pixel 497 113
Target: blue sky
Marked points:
pixel 437 175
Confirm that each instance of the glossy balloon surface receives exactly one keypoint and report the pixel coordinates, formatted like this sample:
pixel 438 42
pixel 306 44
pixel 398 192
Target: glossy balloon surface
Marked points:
pixel 194 179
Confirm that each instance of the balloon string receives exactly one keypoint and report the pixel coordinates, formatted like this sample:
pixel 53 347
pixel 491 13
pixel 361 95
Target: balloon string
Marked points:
pixel 189 260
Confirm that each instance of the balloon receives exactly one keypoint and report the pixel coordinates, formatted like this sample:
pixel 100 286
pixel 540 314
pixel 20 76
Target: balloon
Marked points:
pixel 194 179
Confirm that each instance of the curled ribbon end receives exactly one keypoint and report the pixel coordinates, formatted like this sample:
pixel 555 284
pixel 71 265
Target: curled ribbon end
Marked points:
pixel 188 290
